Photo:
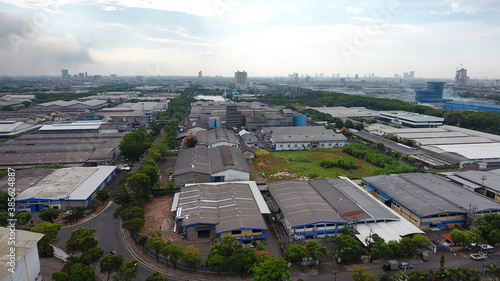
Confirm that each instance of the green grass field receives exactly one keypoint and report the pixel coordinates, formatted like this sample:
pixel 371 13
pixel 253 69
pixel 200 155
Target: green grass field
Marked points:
pixel 306 163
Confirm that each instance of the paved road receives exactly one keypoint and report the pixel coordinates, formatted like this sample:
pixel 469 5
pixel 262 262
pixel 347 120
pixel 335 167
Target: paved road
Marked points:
pixel 108 233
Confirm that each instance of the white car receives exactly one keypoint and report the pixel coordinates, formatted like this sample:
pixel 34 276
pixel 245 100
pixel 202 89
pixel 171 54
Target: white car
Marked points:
pixel 478 256
pixel 123 167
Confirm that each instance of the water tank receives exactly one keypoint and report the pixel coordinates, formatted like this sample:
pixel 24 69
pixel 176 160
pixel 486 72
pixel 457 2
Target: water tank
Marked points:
pixel 299 120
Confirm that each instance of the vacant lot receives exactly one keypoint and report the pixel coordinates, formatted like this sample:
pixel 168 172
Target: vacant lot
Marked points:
pixel 295 164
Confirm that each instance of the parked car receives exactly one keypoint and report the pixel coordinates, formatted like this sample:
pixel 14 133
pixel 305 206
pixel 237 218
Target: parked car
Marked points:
pixel 425 255
pixel 113 252
pixel 390 265
pixel 123 167
pixel 478 256
pixel 405 265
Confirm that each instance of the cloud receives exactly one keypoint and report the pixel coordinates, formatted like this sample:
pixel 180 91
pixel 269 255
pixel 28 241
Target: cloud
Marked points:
pixel 436 13
pixel 26 50
pixel 352 10
pixel 472 7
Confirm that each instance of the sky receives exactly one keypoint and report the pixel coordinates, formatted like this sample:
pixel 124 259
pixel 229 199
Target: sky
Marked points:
pixel 264 38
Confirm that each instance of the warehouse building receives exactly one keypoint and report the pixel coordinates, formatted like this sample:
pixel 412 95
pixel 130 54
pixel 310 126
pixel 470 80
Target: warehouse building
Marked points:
pixel 217 210
pixel 302 212
pixel 300 138
pixel 13 128
pixel 364 213
pixel 429 201
pixel 65 188
pixel 217 137
pixel 27 262
pixel 411 119
pixel 67 149
pixel 218 164
pixel 484 182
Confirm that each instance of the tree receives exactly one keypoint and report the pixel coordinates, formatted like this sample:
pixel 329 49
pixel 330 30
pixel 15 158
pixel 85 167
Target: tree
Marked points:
pixel 271 268
pixel 24 218
pixel 380 147
pixel 494 237
pixel 49 214
pixel 111 263
pixel 217 261
pixel 225 247
pixel 7 108
pixel 81 272
pixel 134 225
pixel 347 249
pixel 60 276
pixel 360 274
pixel 75 213
pixel 140 184
pixel 155 154
pixel 492 270
pixel 102 195
pixel 4 217
pixel 81 239
pixel 51 231
pixel 458 236
pixel 127 271
pixel 191 142
pixel 421 241
pixel 26 104
pixel 174 253
pixel 317 251
pixel 4 198
pixel 132 212
pixel 295 254
pixel 155 244
pixel 155 277
pixel 91 255
pixel 192 257
pixel 152 172
pixel 242 260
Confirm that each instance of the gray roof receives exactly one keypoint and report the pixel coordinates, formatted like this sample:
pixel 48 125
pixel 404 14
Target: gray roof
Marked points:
pixel 210 160
pixel 217 135
pixel 351 201
pixel 301 204
pixel 25 178
pixel 491 178
pixel 77 183
pixel 306 133
pixel 427 194
pixel 230 206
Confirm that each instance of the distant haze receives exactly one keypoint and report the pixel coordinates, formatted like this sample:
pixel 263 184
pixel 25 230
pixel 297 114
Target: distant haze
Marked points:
pixel 264 38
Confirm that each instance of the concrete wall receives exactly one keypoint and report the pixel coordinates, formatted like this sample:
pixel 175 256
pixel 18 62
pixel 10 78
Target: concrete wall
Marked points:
pixel 233 175
pixel 27 268
pixel 305 145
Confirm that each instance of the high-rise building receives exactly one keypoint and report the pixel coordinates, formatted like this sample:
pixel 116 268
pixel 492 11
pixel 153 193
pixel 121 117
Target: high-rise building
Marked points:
pixel 240 80
pixel 200 75
pixel 433 93
pixel 81 75
pixel 412 74
pixel 65 74
pixel 461 77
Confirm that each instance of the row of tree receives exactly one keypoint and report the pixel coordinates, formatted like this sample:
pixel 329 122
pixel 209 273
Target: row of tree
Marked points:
pixel 377 158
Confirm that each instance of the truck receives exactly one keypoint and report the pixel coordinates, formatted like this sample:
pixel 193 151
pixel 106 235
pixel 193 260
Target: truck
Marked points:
pixel 391 265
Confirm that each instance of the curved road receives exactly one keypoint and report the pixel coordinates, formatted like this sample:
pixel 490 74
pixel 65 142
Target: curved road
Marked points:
pixel 107 231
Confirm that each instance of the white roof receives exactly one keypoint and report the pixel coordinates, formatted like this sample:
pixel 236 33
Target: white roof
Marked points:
pixel 72 126
pixel 175 202
pixel 77 183
pixel 391 230
pixel 474 151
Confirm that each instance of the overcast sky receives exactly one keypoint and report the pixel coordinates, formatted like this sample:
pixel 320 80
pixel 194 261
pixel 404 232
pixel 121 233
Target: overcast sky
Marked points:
pixel 265 38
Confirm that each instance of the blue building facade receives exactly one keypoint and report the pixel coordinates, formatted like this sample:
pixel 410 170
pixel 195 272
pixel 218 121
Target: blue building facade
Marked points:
pixel 471 106
pixel 433 93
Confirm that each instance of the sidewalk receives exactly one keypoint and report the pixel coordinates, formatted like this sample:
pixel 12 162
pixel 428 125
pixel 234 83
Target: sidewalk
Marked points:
pixel 86 219
pixel 149 262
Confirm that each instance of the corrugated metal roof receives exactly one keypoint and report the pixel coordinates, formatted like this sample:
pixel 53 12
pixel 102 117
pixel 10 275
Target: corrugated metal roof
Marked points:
pixel 427 194
pixel 351 201
pixel 78 183
pixel 230 206
pixel 301 204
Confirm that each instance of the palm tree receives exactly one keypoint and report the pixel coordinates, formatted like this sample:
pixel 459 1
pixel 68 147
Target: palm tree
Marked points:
pixel 493 270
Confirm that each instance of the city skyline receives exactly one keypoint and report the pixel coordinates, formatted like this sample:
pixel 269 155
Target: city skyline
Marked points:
pixel 167 38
